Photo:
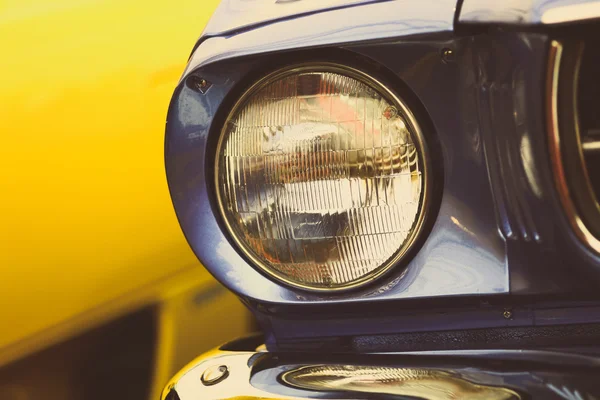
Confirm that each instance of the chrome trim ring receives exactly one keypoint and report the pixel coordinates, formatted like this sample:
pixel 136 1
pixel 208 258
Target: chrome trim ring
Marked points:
pixel 554 142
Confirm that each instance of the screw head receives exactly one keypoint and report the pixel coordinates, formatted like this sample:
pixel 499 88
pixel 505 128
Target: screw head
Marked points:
pixel 448 55
pixel 507 314
pixel 214 374
pixel 198 84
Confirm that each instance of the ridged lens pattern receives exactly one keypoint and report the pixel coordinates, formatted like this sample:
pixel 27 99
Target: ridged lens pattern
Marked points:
pixel 319 178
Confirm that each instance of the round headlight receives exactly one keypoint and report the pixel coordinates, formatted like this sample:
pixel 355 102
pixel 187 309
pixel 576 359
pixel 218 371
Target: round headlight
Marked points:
pixel 320 176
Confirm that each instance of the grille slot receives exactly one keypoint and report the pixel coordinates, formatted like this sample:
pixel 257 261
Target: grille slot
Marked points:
pixel 574 124
pixel 588 105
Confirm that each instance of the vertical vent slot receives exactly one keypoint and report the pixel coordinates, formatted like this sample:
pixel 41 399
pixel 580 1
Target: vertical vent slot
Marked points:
pixel 588 104
pixel 578 114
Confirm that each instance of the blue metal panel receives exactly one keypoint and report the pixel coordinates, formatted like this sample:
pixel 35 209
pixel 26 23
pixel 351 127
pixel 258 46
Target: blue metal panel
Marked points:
pixel 464 253
pixel 243 14
pixel 498 228
pixel 528 12
pixel 367 22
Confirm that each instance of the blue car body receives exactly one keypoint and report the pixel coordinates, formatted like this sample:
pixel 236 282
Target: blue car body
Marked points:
pixel 502 290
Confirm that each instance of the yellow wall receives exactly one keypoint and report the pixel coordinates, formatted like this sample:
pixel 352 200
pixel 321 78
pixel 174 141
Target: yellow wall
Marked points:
pixel 84 207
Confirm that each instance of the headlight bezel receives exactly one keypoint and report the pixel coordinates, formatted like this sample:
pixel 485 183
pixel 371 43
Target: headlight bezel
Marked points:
pixel 401 257
pixel 455 225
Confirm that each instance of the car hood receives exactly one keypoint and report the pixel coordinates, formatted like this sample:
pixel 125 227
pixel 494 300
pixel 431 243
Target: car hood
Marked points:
pixel 234 15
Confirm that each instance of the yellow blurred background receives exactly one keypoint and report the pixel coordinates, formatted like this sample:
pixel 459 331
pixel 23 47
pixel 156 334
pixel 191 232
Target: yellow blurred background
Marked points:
pixel 89 235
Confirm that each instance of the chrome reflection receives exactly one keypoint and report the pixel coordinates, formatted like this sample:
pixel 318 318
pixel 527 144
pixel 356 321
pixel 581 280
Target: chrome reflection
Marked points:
pixel 556 157
pixel 420 383
pixel 457 374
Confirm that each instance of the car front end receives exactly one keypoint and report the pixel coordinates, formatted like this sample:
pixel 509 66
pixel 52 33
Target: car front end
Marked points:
pixel 402 192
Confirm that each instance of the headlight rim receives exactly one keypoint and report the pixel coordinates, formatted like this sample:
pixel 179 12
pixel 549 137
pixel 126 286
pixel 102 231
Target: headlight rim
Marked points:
pixel 400 257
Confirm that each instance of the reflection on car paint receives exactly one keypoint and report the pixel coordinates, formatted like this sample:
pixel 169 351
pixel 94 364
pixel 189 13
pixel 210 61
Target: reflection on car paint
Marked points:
pixel 465 375
pixel 425 383
pixel 246 14
pixel 521 12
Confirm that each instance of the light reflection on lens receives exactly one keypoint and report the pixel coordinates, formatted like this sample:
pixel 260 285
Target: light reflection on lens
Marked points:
pixel 420 383
pixel 320 179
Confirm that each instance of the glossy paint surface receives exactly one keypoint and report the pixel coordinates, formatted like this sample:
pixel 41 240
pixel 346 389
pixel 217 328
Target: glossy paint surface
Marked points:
pixel 511 116
pixel 528 12
pixel 88 230
pixel 497 231
pixel 499 122
pixel 476 264
pixel 366 22
pixel 474 267
pixel 431 376
pixel 240 14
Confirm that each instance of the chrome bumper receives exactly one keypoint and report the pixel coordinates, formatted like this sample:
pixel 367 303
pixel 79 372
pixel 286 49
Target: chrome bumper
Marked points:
pixel 233 372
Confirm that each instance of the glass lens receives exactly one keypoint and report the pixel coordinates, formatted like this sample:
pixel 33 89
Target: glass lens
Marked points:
pixel 319 178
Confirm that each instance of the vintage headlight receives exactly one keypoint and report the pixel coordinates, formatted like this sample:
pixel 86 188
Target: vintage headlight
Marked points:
pixel 321 177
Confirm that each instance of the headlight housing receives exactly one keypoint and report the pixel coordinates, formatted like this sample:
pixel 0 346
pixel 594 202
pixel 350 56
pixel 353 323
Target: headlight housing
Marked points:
pixel 321 176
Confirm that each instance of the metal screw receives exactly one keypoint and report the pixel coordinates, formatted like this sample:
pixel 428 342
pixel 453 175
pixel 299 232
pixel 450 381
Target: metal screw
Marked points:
pixel 214 374
pixel 199 84
pixel 448 55
pixel 507 314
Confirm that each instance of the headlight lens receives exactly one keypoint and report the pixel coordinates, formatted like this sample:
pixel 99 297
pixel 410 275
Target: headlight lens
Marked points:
pixel 320 177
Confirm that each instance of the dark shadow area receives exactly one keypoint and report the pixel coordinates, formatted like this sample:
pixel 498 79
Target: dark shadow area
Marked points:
pixel 114 361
